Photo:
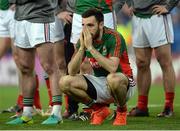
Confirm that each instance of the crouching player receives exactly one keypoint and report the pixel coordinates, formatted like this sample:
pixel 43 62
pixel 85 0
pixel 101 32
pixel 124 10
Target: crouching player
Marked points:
pixel 112 80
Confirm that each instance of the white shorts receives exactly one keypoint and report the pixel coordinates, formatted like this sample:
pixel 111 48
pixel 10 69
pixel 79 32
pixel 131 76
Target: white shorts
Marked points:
pixel 59 29
pixel 109 21
pixel 103 94
pixel 152 32
pixel 7 23
pixel 28 35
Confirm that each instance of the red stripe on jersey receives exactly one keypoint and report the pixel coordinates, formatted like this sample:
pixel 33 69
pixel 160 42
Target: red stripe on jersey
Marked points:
pixel 125 65
pixel 118 42
pixel 123 58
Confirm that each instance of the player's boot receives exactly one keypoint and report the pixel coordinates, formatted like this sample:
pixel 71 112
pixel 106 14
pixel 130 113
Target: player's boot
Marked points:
pixel 167 112
pixel 98 116
pixel 21 120
pixel 120 119
pixel 137 112
pixel 52 120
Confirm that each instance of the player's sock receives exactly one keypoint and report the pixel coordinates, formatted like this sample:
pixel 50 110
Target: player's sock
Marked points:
pixel 49 91
pixel 37 102
pixel 142 102
pixel 95 106
pixel 122 109
pixel 20 101
pixel 57 102
pixel 169 98
pixel 27 107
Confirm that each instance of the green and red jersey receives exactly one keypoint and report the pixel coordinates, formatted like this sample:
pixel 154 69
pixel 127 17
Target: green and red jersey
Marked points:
pixel 4 4
pixel 112 44
pixel 83 5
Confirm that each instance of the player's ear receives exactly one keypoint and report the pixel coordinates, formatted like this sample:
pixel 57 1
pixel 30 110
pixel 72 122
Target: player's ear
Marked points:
pixel 101 24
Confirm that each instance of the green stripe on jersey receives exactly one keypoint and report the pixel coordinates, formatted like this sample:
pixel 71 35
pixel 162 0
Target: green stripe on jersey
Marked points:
pixel 145 16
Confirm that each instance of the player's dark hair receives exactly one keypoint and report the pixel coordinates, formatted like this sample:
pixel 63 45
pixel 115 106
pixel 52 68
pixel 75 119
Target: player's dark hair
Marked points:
pixel 94 12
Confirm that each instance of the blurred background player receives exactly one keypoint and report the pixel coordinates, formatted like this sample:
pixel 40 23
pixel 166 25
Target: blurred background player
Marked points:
pixel 37 35
pixel 152 31
pixel 6 42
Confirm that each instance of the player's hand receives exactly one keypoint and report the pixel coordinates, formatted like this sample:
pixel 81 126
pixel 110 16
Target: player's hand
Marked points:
pixel 87 38
pixel 159 9
pixel 12 7
pixel 65 16
pixel 82 47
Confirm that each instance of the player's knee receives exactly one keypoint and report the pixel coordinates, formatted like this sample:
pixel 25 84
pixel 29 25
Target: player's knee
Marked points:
pixel 61 64
pixel 25 68
pixel 65 84
pixel 116 80
pixel 165 63
pixel 142 64
pixel 48 68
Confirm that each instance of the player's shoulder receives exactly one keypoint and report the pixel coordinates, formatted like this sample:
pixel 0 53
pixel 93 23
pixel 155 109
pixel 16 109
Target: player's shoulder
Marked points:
pixel 112 33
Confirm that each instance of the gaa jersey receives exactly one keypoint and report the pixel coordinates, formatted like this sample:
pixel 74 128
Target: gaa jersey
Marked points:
pixel 112 44
pixel 83 5
pixel 4 4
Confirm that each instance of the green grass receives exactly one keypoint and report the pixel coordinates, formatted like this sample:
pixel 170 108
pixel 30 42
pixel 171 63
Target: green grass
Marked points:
pixel 8 97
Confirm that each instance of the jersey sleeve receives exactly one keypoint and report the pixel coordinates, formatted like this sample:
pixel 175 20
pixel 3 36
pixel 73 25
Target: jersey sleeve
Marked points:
pixel 117 45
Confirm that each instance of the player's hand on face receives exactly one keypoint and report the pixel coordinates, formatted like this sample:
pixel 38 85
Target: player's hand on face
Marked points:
pixel 159 9
pixel 87 37
pixel 82 41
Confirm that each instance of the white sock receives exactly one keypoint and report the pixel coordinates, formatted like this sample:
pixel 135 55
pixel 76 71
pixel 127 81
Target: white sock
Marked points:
pixel 56 110
pixel 27 111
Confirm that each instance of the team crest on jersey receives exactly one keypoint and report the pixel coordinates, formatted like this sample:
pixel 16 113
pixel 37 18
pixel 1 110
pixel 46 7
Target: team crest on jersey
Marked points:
pixel 94 63
pixel 104 51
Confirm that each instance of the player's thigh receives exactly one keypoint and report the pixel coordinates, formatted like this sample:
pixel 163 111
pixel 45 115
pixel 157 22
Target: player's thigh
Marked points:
pixel 26 58
pixel 46 55
pixel 77 81
pixel 163 54
pixel 5 44
pixel 143 55
pixel 59 49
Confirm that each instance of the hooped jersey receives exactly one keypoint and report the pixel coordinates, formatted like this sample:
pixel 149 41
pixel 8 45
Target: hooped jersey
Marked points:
pixel 112 44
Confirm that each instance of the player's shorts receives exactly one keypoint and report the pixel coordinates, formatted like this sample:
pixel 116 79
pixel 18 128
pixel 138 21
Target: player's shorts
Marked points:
pixel 29 35
pixel 103 93
pixel 59 29
pixel 7 23
pixel 152 32
pixel 109 21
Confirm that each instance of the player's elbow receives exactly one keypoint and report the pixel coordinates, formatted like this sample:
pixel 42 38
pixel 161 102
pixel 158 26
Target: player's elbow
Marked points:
pixel 71 71
pixel 113 69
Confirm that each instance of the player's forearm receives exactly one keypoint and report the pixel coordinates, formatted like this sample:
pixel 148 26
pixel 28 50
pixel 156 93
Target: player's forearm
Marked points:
pixel 74 65
pixel 171 4
pixel 106 63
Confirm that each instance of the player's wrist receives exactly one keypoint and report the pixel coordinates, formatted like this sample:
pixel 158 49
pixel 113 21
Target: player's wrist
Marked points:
pixel 90 48
pixel 81 49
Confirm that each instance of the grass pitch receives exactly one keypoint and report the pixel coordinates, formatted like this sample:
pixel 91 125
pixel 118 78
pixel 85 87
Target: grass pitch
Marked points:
pixel 8 97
